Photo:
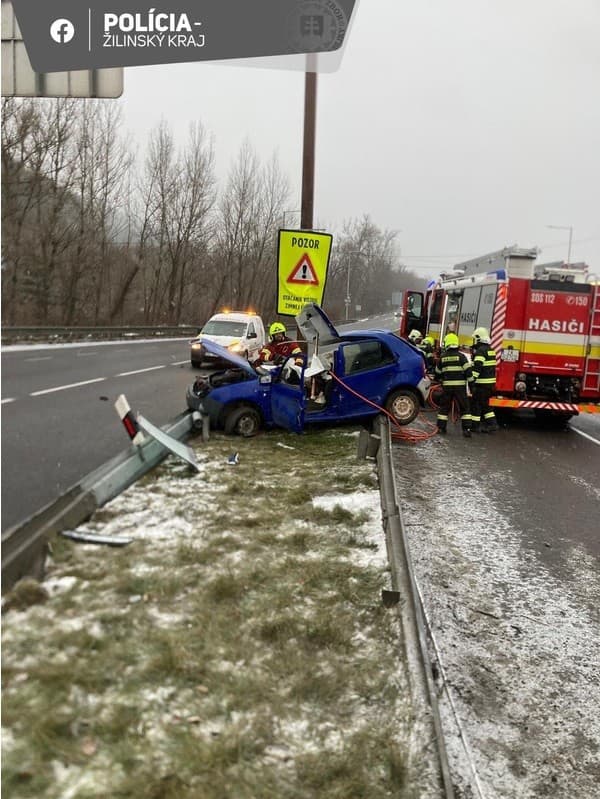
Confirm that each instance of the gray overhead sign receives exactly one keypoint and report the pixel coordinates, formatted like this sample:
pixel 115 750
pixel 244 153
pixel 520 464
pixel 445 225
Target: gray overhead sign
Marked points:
pixel 20 80
pixel 71 35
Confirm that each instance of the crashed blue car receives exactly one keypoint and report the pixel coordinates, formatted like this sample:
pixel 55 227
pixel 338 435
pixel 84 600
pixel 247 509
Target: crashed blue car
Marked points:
pixel 357 373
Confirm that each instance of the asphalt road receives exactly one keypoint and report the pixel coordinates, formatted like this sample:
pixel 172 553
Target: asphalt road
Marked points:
pixel 504 538
pixel 58 417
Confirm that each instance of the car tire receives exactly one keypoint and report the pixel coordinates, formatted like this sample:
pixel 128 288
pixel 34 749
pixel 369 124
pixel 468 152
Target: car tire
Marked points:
pixel 196 364
pixel 403 405
pixel 242 421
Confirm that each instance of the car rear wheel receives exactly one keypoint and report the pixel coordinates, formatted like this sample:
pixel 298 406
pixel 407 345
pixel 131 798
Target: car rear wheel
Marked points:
pixel 403 405
pixel 244 421
pixel 196 364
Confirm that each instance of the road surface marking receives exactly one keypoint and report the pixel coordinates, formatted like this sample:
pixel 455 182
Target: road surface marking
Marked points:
pixel 45 358
pixel 139 371
pixel 62 388
pixel 178 363
pixel 8 399
pixel 585 435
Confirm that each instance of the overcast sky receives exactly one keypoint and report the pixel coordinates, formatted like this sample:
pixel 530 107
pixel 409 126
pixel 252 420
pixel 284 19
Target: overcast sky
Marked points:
pixel 468 125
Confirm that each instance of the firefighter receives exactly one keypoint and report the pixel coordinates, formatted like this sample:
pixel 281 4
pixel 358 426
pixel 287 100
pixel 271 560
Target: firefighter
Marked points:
pixel 425 345
pixel 280 348
pixel 453 370
pixel 484 382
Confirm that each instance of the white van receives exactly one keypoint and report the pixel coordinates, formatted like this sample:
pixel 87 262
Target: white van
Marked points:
pixel 240 333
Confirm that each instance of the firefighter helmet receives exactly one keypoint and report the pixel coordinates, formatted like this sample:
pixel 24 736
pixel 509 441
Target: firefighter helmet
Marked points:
pixel 451 340
pixel 481 335
pixel 275 328
pixel 415 336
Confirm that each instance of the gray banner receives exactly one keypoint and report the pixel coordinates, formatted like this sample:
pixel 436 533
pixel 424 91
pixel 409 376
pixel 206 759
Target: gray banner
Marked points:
pixel 69 35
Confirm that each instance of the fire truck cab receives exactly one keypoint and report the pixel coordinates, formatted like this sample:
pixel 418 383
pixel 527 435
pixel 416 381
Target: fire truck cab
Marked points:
pixel 544 323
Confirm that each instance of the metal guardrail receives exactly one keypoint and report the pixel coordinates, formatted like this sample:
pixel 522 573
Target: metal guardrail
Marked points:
pixel 11 335
pixel 24 546
pixel 405 595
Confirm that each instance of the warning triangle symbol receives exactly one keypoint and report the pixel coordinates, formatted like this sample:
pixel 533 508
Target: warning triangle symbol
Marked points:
pixel 304 272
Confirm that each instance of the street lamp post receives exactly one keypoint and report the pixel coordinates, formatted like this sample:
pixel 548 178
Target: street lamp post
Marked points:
pixel 570 229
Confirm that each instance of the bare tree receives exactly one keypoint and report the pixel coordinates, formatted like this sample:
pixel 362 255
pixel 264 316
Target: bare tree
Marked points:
pixel 178 192
pixel 250 212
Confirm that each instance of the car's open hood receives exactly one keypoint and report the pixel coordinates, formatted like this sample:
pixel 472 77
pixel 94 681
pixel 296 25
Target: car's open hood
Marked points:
pixel 225 355
pixel 313 322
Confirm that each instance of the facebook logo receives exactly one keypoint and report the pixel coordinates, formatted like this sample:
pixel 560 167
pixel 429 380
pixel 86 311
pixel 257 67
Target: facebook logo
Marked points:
pixel 62 31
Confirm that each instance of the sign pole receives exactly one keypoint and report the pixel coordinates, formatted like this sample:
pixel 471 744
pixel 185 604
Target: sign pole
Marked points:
pixel 308 157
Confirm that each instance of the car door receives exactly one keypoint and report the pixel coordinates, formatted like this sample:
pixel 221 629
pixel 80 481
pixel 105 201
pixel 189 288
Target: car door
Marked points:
pixel 251 342
pixel 368 369
pixel 288 401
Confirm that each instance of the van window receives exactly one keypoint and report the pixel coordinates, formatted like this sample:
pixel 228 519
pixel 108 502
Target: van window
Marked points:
pixel 251 331
pixel 365 355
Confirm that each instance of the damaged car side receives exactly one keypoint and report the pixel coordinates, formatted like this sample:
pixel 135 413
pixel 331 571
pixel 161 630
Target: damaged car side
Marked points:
pixel 357 373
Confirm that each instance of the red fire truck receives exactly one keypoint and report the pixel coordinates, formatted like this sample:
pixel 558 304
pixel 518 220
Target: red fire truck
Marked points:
pixel 544 323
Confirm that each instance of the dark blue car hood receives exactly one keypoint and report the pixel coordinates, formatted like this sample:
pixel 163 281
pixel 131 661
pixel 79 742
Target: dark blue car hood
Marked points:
pixel 225 355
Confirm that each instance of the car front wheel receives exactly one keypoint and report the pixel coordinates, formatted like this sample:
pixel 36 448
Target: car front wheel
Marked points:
pixel 244 421
pixel 403 405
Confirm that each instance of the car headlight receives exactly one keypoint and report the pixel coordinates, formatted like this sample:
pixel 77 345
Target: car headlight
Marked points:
pixel 235 347
pixel 197 345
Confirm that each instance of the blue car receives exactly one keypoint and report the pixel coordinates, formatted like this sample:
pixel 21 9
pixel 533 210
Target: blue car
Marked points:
pixel 349 376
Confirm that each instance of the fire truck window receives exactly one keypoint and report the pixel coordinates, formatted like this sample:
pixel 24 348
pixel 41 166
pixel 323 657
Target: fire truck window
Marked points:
pixel 453 309
pixel 436 308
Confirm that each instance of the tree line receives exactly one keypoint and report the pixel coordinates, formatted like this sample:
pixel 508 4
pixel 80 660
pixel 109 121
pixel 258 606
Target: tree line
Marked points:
pixel 94 233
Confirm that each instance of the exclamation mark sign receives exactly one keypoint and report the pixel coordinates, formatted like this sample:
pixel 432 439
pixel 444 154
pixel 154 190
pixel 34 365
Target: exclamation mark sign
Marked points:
pixel 304 271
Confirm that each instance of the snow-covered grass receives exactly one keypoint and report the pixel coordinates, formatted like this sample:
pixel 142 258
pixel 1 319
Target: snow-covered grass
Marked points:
pixel 238 647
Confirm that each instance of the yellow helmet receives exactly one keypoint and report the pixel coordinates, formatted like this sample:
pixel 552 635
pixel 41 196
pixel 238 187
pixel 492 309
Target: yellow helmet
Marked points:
pixel 451 340
pixel 275 328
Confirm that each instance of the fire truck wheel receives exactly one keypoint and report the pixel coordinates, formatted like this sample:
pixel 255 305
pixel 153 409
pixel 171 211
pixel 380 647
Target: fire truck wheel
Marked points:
pixel 243 421
pixel 403 404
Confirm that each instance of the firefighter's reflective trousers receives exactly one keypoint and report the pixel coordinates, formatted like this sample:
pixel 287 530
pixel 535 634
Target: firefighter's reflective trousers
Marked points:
pixel 459 393
pixel 480 407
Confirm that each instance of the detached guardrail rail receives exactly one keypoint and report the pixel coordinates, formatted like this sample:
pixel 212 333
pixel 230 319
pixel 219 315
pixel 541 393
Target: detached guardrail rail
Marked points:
pixel 13 335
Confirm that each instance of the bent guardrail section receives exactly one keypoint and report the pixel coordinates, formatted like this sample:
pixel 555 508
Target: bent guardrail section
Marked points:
pixel 24 546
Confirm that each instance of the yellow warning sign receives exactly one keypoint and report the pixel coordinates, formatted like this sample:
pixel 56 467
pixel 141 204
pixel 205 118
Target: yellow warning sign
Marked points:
pixel 302 261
